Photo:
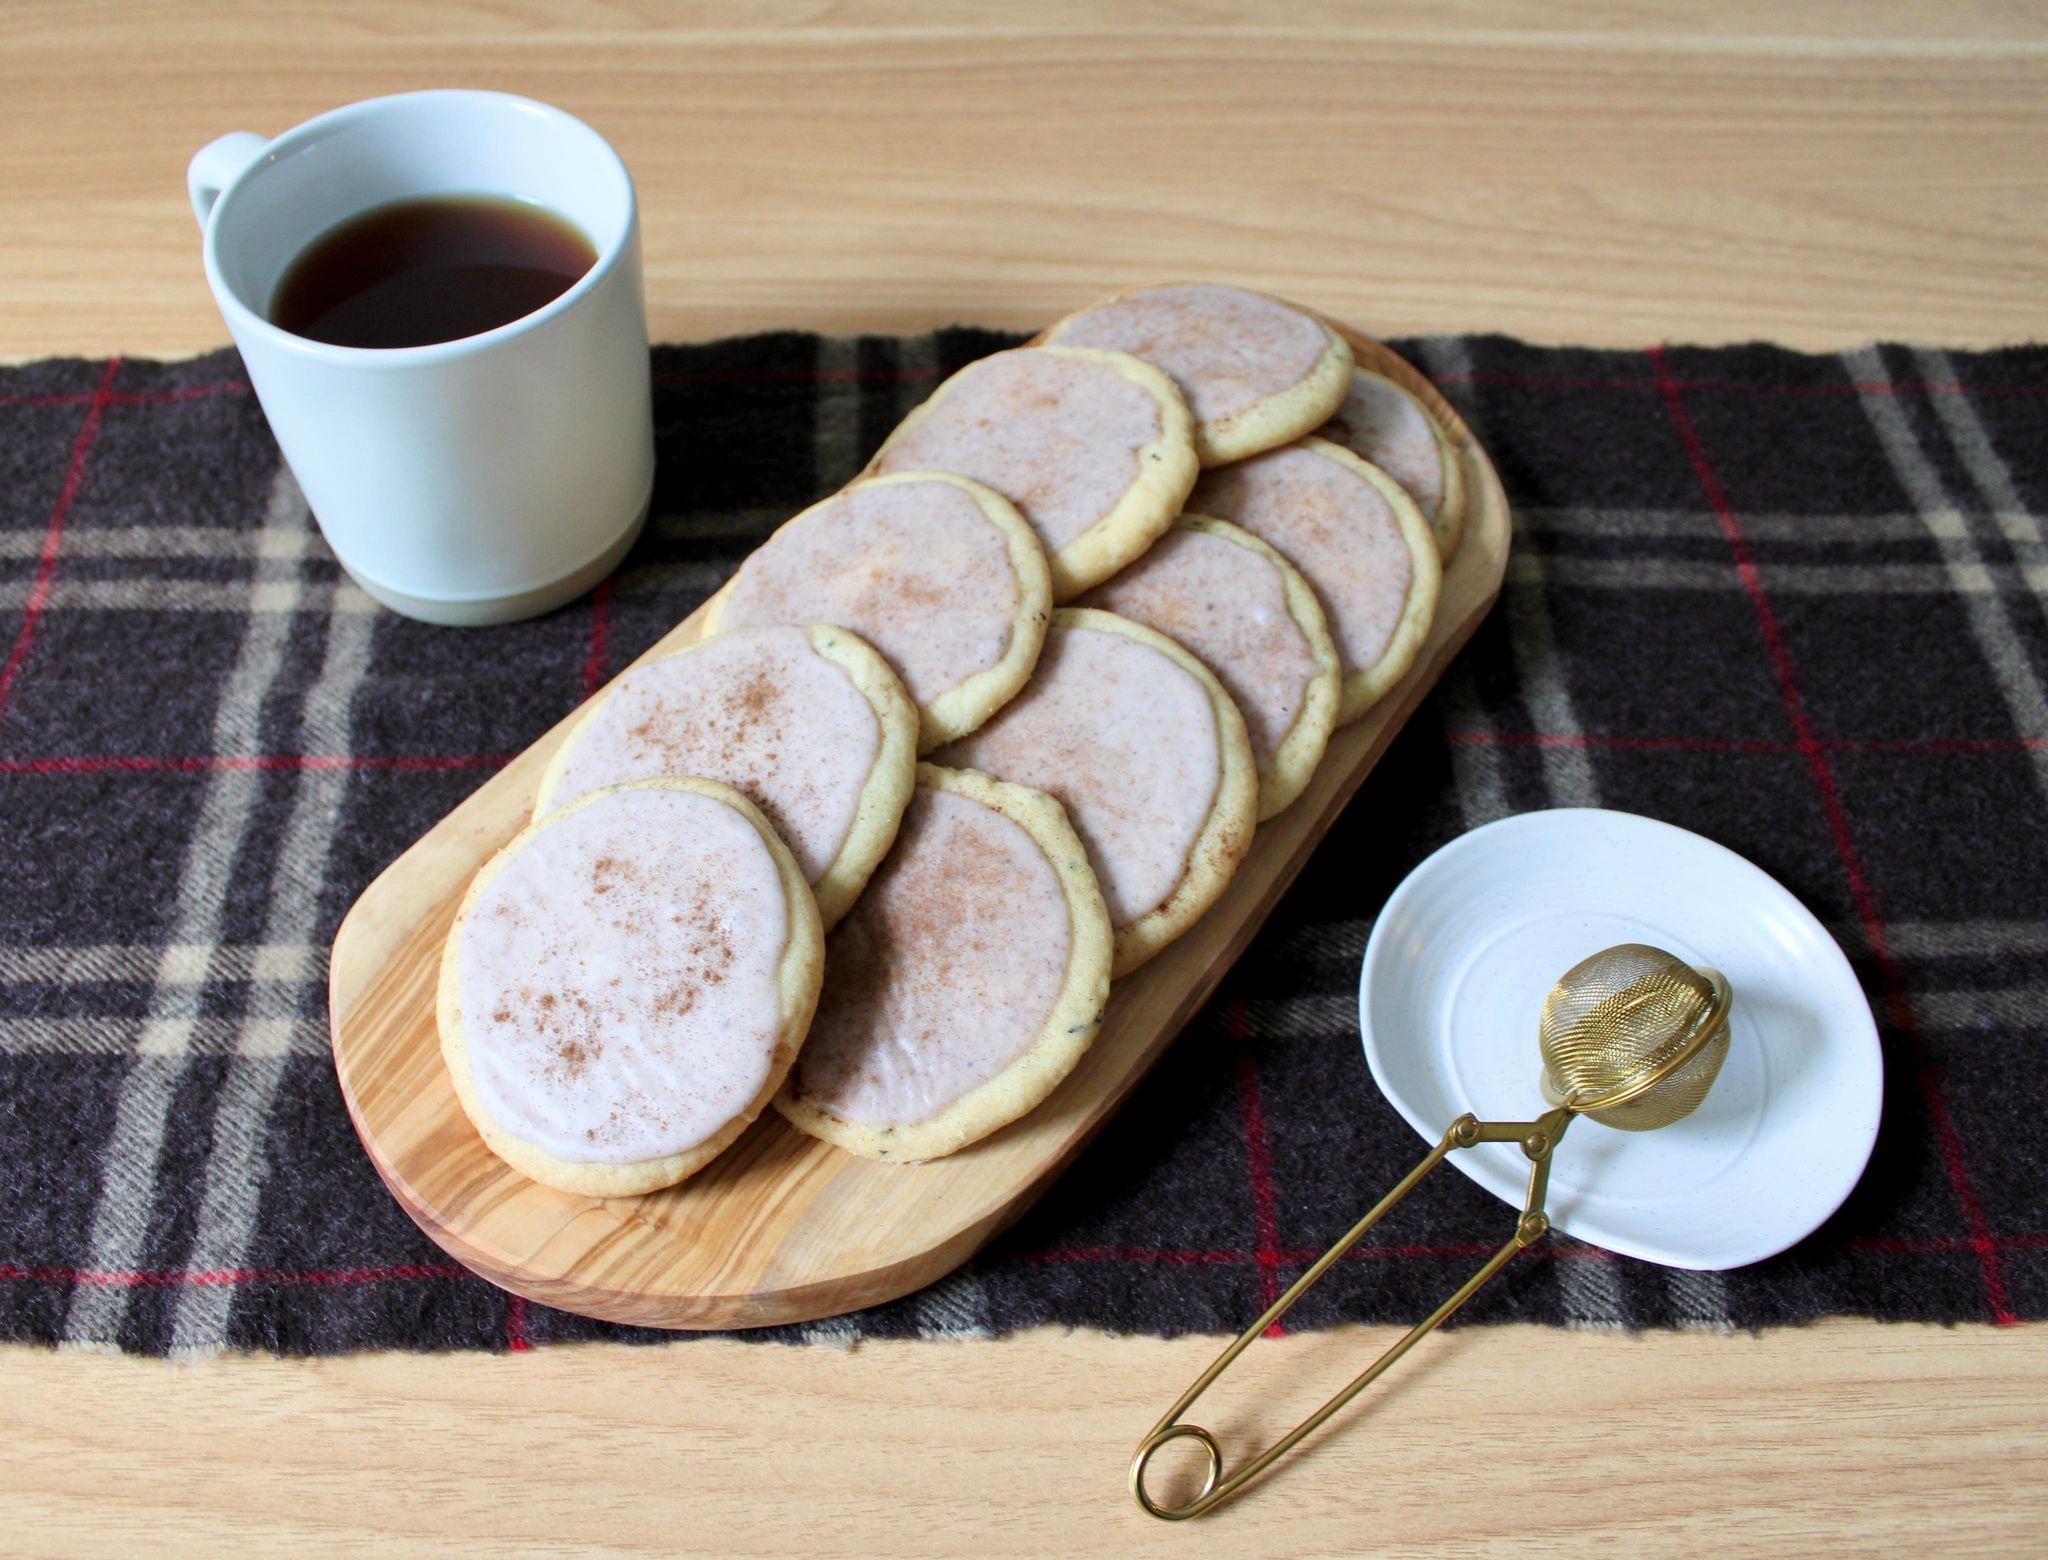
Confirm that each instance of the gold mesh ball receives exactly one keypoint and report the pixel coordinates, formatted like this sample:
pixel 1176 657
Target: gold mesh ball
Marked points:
pixel 1623 1015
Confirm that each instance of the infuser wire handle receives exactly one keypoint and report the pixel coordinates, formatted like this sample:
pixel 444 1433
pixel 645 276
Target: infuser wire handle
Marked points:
pixel 1536 1138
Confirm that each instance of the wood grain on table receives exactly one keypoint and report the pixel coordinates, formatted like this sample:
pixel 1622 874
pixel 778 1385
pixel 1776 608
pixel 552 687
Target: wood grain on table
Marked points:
pixel 1841 1437
pixel 1605 171
pixel 1570 170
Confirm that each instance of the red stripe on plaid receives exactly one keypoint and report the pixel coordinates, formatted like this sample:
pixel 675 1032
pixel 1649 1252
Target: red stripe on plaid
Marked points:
pixel 600 634
pixel 89 764
pixel 1665 383
pixel 1562 1250
pixel 204 1278
pixel 1883 747
pixel 1909 1245
pixel 46 565
pixel 1947 1140
pixel 800 376
pixel 516 1339
pixel 1137 1255
pixel 1258 1166
pixel 184 393
pixel 130 397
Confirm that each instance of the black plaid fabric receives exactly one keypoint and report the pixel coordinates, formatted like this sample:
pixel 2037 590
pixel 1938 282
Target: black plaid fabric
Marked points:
pixel 1795 603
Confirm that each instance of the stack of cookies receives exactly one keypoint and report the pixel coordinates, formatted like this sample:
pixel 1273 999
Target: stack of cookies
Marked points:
pixel 1001 717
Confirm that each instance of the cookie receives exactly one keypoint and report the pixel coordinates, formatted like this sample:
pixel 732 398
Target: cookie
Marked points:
pixel 1385 424
pixel 1255 372
pixel 1357 538
pixel 1095 449
pixel 626 984
pixel 966 983
pixel 939 574
pixel 809 724
pixel 1249 616
pixel 1141 745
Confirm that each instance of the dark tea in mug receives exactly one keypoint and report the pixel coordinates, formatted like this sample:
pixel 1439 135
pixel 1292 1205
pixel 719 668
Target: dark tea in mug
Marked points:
pixel 416 272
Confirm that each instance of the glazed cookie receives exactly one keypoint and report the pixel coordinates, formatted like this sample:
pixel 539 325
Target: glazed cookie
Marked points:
pixel 1251 618
pixel 809 724
pixel 1096 450
pixel 966 983
pixel 1356 537
pixel 1141 745
pixel 1385 424
pixel 1255 372
pixel 626 984
pixel 939 574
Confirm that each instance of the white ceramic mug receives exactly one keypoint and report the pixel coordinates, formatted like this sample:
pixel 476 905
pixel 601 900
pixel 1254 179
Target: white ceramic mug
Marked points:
pixel 471 481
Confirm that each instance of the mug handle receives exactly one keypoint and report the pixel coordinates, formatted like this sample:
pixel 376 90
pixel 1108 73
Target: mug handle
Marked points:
pixel 217 165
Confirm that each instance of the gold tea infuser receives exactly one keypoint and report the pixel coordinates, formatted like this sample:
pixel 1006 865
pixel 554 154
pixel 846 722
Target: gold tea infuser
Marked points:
pixel 1632 1036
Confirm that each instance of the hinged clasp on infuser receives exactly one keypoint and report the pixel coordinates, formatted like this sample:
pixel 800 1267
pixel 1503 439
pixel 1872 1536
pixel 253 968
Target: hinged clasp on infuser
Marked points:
pixel 1537 1139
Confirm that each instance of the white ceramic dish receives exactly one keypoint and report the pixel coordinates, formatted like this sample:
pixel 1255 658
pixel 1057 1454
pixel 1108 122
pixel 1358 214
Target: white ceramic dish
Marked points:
pixel 1454 978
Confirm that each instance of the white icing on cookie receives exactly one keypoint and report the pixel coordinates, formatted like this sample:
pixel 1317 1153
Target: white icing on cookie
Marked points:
pixel 616 977
pixel 1126 741
pixel 759 709
pixel 944 972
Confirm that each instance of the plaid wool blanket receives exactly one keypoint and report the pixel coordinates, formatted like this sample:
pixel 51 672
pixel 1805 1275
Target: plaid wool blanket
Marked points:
pixel 1795 603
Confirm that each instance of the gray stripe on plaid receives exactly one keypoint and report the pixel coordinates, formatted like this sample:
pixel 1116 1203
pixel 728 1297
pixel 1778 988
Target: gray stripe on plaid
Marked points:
pixel 688 577
pixel 835 431
pixel 179 964
pixel 957 1306
pixel 2012 1007
pixel 1293 1018
pixel 1448 361
pixel 236 1166
pixel 1788 579
pixel 208 1036
pixel 170 541
pixel 1699 1300
pixel 1964 939
pixel 838 1332
pixel 917 362
pixel 1987 469
pixel 135 1145
pixel 727 528
pixel 259 597
pixel 1998 640
pixel 1478 769
pixel 1695 525
pixel 1567 770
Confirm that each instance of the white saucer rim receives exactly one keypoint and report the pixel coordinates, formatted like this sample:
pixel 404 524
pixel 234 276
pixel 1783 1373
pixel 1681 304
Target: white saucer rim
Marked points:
pixel 1548 818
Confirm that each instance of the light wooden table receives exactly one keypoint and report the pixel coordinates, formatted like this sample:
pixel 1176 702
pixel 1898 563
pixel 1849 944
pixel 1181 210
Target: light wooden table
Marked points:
pixel 1603 172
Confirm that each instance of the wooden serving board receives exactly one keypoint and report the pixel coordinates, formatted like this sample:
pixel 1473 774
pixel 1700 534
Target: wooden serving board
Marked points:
pixel 782 1228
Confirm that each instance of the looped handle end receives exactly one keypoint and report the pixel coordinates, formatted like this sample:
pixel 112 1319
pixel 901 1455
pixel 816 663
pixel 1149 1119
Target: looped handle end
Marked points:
pixel 1158 1438
pixel 218 164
